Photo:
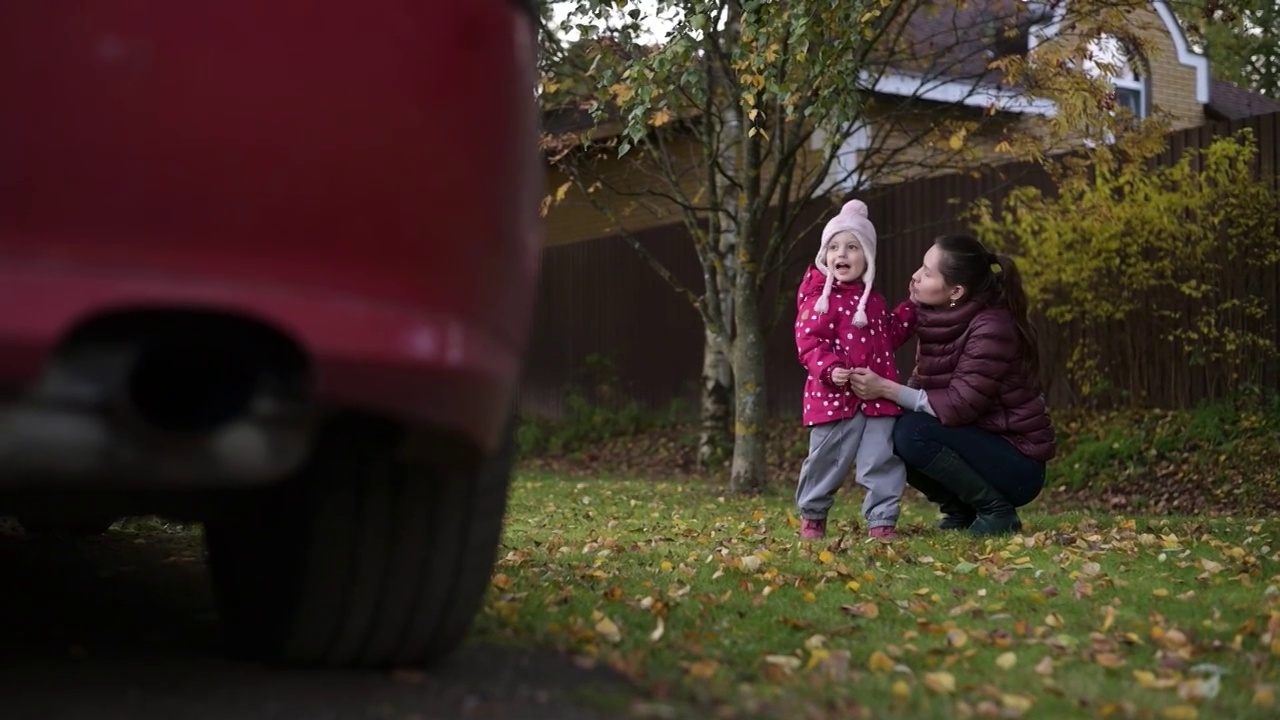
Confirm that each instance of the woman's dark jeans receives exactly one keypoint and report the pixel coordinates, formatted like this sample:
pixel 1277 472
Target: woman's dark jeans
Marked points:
pixel 918 438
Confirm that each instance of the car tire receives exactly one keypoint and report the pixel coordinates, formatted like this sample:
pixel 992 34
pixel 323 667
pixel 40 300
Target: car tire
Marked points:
pixel 365 558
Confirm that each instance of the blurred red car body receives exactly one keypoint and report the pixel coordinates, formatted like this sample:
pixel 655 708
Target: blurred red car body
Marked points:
pixel 271 266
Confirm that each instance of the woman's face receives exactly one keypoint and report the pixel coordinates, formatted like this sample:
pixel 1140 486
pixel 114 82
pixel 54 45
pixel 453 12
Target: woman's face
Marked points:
pixel 927 285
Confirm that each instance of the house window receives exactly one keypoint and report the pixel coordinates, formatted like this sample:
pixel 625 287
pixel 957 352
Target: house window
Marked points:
pixel 1112 59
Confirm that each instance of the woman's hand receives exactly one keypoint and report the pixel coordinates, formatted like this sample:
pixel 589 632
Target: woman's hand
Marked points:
pixel 867 385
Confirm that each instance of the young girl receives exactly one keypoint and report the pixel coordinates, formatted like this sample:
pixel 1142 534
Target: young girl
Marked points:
pixel 842 324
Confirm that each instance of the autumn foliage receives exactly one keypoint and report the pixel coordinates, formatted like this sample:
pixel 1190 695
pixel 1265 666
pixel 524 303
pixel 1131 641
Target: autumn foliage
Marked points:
pixel 1131 260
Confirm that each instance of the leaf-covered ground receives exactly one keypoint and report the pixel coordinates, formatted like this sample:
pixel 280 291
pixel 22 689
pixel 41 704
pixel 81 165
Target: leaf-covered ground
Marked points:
pixel 713 607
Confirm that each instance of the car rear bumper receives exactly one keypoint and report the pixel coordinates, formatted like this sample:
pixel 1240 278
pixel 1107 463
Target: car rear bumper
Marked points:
pixel 407 364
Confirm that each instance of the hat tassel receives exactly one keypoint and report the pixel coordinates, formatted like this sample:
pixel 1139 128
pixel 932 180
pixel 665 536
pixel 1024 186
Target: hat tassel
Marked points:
pixel 822 305
pixel 860 317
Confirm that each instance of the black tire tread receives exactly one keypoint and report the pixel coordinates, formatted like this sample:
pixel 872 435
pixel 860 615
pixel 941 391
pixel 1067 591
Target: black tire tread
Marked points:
pixel 368 560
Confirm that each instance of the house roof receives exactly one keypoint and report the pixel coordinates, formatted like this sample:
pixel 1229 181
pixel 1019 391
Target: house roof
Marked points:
pixel 951 46
pixel 567 119
pixel 1231 102
pixel 960 40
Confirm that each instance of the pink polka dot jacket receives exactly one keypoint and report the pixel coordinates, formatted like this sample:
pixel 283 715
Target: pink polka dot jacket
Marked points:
pixel 830 340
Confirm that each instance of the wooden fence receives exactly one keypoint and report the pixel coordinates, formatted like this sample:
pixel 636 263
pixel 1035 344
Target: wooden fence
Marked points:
pixel 607 324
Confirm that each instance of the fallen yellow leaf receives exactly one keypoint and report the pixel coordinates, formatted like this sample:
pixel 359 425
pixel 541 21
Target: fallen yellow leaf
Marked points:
pixel 879 662
pixel 940 682
pixel 608 630
pixel 1264 696
pixel 1146 679
pixel 816 657
pixel 1053 620
pixel 1108 660
pixel 825 557
pixel 901 690
pixel 1180 712
pixel 705 669
pixel 1006 660
pixel 1016 705
pixel 786 662
pixel 868 610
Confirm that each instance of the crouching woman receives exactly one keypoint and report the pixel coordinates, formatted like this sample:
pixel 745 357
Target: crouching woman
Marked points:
pixel 977 433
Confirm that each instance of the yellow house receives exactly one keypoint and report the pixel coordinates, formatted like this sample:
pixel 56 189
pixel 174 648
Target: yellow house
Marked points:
pixel 944 71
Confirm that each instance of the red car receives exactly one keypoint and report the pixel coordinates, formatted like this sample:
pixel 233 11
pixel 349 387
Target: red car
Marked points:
pixel 270 266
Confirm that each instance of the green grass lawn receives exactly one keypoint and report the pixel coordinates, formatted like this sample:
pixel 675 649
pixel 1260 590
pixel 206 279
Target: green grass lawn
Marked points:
pixel 713 606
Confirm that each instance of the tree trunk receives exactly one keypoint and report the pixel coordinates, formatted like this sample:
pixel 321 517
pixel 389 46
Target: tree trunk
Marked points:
pixel 747 473
pixel 717 363
pixel 717 389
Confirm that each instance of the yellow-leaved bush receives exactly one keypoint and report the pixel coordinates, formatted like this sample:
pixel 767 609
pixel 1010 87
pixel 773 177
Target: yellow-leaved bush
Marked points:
pixel 1143 275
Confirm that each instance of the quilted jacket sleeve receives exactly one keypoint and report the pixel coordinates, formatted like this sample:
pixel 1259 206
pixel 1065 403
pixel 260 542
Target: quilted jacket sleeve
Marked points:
pixel 902 324
pixel 987 357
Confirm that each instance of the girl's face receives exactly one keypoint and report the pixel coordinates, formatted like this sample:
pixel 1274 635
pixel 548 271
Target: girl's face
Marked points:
pixel 844 257
pixel 927 285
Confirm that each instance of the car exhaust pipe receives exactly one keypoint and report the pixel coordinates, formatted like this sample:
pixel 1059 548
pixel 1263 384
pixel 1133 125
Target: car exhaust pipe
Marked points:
pixel 185 386
pixel 207 401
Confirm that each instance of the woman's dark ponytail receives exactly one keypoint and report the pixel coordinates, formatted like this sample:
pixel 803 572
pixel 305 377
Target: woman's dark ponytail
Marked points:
pixel 1012 295
pixel 992 278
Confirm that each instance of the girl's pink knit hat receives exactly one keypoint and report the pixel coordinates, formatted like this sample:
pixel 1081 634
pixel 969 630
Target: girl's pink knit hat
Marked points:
pixel 853 219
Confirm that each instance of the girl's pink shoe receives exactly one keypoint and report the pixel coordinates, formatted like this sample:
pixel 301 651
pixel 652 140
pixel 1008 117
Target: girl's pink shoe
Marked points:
pixel 884 533
pixel 813 529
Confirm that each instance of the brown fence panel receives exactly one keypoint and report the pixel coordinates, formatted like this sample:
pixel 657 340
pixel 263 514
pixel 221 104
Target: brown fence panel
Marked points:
pixel 599 301
pixel 606 323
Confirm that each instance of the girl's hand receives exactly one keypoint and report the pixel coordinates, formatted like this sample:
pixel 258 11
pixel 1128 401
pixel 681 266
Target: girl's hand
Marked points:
pixel 840 375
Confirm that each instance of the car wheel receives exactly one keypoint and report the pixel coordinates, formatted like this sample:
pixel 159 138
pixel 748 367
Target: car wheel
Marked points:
pixel 366 558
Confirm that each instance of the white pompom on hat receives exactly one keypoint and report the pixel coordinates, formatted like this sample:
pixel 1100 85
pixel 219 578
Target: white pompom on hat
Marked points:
pixel 853 219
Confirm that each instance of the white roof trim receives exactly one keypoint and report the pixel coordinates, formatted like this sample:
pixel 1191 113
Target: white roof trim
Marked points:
pixel 964 92
pixel 1186 56
pixel 977 95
